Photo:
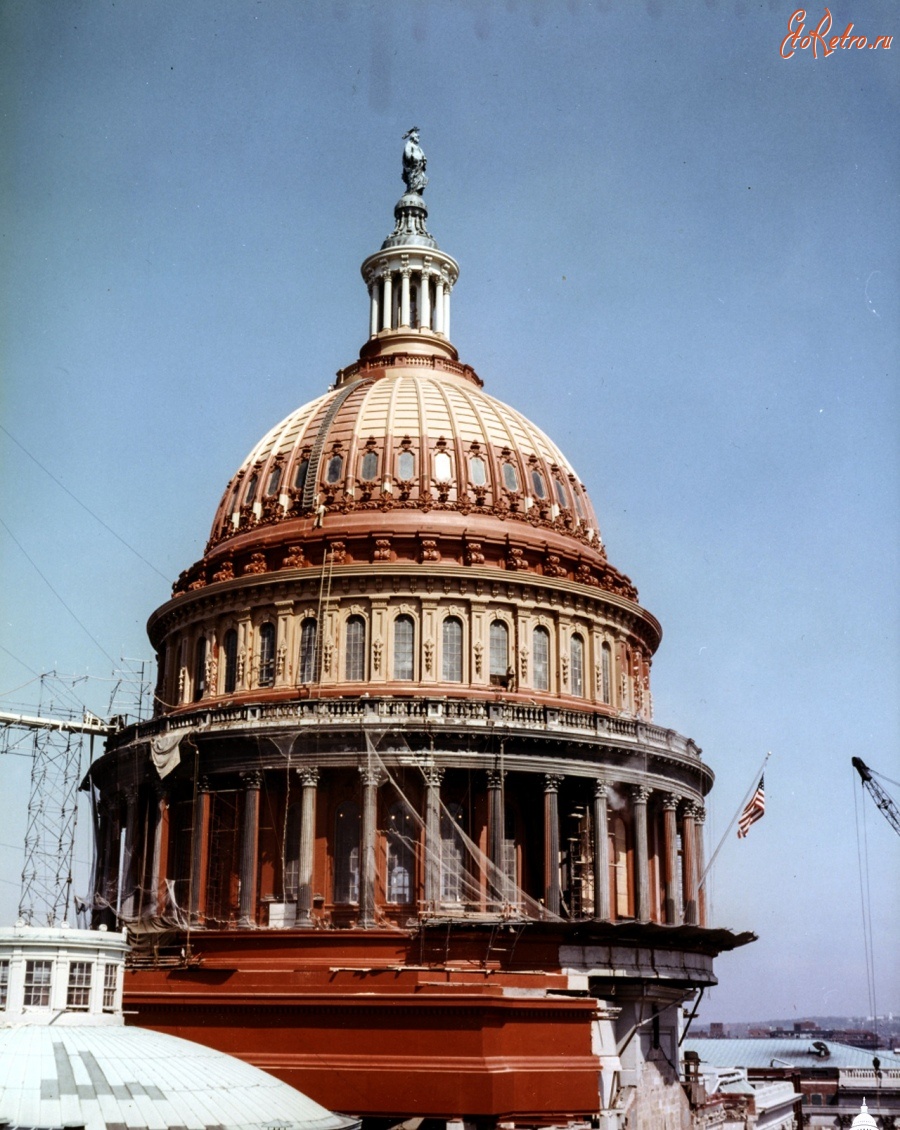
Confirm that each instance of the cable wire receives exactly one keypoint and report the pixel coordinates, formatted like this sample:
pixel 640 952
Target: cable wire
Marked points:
pixel 83 506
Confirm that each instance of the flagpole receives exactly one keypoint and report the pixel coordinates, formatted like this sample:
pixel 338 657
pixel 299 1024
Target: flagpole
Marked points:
pixel 734 819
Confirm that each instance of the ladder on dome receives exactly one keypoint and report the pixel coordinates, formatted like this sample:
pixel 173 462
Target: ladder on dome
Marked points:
pixel 325 579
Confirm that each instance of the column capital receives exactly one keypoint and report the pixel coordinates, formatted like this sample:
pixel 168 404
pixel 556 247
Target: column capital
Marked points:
pixel 252 779
pixel 203 785
pixel 495 778
pixel 309 775
pixel 130 795
pixel 433 775
pixel 640 794
pixel 671 801
pixel 688 809
pixel 601 788
pixel 699 813
pixel 371 778
pixel 552 781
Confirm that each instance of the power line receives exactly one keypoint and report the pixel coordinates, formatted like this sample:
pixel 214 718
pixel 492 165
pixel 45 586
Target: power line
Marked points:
pixel 56 594
pixel 83 506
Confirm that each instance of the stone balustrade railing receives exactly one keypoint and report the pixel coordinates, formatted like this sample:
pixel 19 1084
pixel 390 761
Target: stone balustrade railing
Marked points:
pixel 452 713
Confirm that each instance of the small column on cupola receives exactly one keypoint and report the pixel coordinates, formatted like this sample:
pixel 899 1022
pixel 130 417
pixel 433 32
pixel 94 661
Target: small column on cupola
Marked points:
pixel 410 279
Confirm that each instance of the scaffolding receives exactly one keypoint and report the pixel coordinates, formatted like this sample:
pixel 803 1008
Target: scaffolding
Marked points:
pixel 60 737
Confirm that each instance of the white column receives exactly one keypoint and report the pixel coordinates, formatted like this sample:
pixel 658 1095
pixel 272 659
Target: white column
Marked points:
pixel 374 288
pixel 601 853
pixel 309 779
pixel 404 297
pixel 447 310
pixel 424 303
pixel 439 305
pixel 387 303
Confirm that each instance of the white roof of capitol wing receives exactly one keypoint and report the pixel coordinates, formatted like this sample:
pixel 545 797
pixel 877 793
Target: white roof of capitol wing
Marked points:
pixel 796 1052
pixel 117 1077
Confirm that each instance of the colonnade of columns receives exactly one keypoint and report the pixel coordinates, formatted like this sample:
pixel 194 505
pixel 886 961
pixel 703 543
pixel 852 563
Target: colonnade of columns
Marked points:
pixel 423 300
pixel 679 873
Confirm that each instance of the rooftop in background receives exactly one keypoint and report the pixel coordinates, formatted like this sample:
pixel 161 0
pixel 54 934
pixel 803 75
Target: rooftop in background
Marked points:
pixel 788 1052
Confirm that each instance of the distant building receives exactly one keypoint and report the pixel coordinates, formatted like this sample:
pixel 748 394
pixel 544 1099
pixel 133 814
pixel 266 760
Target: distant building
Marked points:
pixel 831 1079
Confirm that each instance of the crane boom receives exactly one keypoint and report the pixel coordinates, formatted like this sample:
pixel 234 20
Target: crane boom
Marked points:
pixel 881 798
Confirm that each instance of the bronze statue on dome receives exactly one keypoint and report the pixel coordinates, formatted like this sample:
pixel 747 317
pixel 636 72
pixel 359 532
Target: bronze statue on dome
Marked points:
pixel 414 162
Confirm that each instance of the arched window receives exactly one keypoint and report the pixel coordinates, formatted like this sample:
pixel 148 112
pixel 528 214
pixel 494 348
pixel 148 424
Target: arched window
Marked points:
pixel 334 468
pixel 404 644
pixel 346 852
pixel 477 471
pixel 541 659
pixel 606 673
pixel 369 468
pixel 267 655
pixel 200 669
pixel 406 465
pixel 499 658
pixel 292 852
pixel 401 858
pixel 251 489
pixel 451 650
pixel 230 648
pixel 452 871
pixel 443 467
pixel 579 505
pixel 576 657
pixel 537 482
pixel 300 475
pixel 274 481
pixel 355 662
pixel 308 631
pixel 510 477
pixel 561 496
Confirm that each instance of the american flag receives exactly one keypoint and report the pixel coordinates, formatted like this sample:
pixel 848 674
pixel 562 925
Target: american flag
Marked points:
pixel 754 810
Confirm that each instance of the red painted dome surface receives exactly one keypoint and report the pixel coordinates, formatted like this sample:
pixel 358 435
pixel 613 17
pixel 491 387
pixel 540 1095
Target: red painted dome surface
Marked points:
pixel 407 431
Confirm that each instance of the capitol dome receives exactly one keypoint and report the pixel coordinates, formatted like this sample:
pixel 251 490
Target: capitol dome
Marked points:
pixel 402 828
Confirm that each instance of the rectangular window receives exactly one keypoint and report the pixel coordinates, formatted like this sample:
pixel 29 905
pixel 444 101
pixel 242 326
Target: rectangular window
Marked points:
pixel 110 975
pixel 38 975
pixel 79 992
pixel 4 983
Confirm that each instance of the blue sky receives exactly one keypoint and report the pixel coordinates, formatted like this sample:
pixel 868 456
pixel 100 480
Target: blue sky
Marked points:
pixel 679 257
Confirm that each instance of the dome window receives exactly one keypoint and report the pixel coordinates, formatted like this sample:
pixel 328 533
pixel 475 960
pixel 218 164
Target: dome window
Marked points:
pixel 401 834
pixel 579 505
pixel 200 669
pixel 443 467
pixel 576 657
pixel 478 471
pixel 346 853
pixel 606 673
pixel 274 481
pixel 499 659
pixel 537 482
pixel 355 664
pixel 404 644
pixel 451 650
pixel 369 469
pixel 510 478
pixel 406 465
pixel 561 495
pixel 251 489
pixel 300 475
pixel 541 648
pixel 230 648
pixel 308 632
pixel 334 468
pixel 267 655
